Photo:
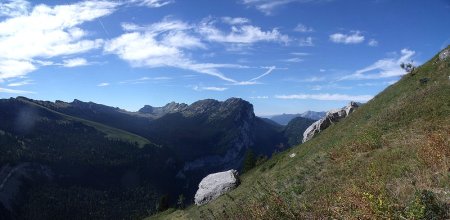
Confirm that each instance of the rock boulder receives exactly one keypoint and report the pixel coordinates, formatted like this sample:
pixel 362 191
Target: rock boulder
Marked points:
pixel 214 185
pixel 444 54
pixel 331 117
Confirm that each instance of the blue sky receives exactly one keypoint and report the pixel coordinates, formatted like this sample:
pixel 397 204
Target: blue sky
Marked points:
pixel 284 56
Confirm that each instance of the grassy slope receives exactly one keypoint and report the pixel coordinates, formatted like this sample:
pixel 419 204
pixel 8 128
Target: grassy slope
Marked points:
pixel 372 165
pixel 110 132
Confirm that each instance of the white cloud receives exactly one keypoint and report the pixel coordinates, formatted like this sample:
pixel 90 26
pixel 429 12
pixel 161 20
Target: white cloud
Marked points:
pixel 75 62
pixel 329 86
pixel 235 21
pixel 373 43
pixel 152 3
pixel 268 6
pixel 10 68
pixel 145 80
pixel 303 28
pixel 37 34
pixel 354 37
pixel 259 97
pixel 14 8
pixel 327 97
pixel 13 91
pixel 163 44
pixel 384 68
pixel 21 83
pixel 293 60
pixel 165 25
pixel 210 88
pixel 306 42
pixel 243 34
pixel 299 54
pixel 314 79
pixel 103 84
pixel 182 40
pixel 246 83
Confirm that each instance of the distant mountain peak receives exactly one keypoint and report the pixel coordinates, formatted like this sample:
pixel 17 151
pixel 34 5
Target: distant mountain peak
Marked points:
pixel 171 107
pixel 284 118
pixel 220 109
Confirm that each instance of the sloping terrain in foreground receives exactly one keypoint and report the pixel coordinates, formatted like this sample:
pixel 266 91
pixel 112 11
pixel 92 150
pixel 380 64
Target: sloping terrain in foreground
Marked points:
pixel 389 159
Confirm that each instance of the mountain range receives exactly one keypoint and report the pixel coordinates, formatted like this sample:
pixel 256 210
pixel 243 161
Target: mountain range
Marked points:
pixel 284 119
pixel 56 151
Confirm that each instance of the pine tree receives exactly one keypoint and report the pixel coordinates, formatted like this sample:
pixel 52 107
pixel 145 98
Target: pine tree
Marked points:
pixel 249 161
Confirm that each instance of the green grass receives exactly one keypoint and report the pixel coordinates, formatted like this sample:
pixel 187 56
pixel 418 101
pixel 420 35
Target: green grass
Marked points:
pixel 110 132
pixel 379 163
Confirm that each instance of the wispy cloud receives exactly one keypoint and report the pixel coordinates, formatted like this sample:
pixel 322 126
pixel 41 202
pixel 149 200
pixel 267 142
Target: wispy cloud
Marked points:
pixel 293 60
pixel 354 37
pixel 149 46
pixel 259 97
pixel 268 6
pixel 13 91
pixel 269 71
pixel 329 86
pixel 254 81
pixel 299 54
pixel 306 42
pixel 75 62
pixel 235 21
pixel 241 34
pixel 152 3
pixel 303 28
pixel 14 8
pixel 21 83
pixel 209 88
pixel 327 97
pixel 145 80
pixel 384 68
pixel 103 84
pixel 313 79
pixel 372 43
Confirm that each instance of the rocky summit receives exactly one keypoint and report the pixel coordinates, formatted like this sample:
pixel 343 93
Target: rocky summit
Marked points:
pixel 331 117
pixel 160 111
pixel 215 185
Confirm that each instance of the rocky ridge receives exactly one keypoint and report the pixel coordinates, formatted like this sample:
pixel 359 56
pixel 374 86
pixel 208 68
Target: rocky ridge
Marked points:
pixel 331 117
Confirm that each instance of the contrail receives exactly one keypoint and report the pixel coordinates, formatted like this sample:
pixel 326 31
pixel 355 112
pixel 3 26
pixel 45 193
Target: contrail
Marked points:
pixel 272 68
pixel 103 26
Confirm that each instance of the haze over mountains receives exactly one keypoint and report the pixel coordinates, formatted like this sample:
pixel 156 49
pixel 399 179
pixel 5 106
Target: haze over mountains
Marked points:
pixel 284 119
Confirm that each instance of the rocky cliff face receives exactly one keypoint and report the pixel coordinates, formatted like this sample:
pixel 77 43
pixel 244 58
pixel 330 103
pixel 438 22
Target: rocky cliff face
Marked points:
pixel 160 111
pixel 331 117
pixel 232 122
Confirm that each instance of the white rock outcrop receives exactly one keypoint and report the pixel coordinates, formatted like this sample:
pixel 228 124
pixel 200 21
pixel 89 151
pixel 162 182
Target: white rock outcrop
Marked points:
pixel 331 117
pixel 214 185
pixel 444 54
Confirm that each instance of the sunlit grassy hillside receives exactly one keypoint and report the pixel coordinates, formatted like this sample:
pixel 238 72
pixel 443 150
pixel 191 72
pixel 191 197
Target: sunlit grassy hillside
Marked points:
pixel 389 159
